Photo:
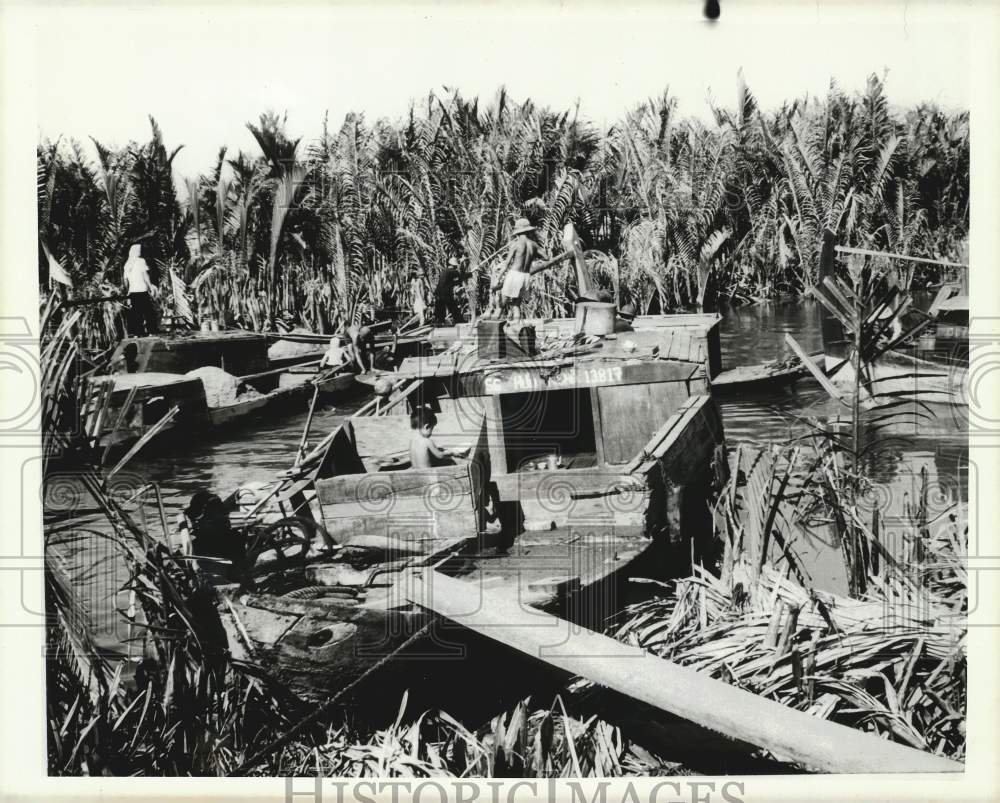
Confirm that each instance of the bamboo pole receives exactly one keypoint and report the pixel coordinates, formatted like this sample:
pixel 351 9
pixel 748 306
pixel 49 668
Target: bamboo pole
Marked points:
pixel 792 735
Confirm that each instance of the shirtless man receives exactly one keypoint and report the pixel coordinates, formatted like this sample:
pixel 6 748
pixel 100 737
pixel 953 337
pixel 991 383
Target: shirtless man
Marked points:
pixel 424 453
pixel 362 346
pixel 524 251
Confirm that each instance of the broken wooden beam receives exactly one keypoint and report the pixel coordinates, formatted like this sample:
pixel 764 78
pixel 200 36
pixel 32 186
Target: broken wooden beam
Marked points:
pixel 818 375
pixel 791 735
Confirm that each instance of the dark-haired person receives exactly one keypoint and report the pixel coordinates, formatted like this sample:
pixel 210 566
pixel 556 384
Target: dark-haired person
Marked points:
pixel 212 535
pixel 424 453
pixel 444 296
pixel 624 318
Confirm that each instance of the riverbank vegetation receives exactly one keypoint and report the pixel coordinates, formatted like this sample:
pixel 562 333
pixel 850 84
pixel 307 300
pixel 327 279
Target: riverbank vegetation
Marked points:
pixel 674 211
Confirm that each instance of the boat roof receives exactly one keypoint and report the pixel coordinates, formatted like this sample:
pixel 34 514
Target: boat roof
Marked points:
pixel 701 322
pixel 150 379
pixel 659 348
pixel 496 377
pixel 198 336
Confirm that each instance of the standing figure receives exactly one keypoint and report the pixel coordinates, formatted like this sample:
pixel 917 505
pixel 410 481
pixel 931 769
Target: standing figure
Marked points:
pixel 363 346
pixel 141 318
pixel 524 250
pixel 418 300
pixel 445 301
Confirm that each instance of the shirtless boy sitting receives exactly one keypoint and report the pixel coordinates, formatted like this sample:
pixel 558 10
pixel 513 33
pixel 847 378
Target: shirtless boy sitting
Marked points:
pixel 424 453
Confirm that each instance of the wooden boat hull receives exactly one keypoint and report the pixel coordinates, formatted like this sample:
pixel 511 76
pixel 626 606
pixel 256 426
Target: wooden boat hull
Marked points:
pixel 765 377
pixel 156 392
pixel 602 525
pixel 147 397
pixel 330 389
pixel 898 375
pixel 761 378
pixel 314 647
pixel 236 352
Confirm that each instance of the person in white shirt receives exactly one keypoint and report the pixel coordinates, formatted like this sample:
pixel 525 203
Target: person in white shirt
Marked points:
pixel 141 291
pixel 336 355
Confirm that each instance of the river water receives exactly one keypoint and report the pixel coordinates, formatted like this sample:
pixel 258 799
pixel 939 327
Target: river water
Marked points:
pixel 749 335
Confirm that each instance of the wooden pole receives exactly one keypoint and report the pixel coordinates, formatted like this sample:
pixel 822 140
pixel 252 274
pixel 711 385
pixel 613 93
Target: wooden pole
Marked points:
pixel 843 249
pixel 792 735
pixel 305 430
pixel 818 375
pixel 146 438
pixel 550 262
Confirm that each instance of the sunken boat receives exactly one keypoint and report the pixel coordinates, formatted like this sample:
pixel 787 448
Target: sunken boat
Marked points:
pixel 587 462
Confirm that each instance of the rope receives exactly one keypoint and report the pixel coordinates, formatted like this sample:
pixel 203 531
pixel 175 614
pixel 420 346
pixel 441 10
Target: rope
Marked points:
pixel 327 706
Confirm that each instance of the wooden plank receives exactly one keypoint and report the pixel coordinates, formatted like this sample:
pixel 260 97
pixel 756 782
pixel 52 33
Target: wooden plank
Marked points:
pixel 687 451
pixel 419 526
pixel 792 735
pixel 608 510
pixel 595 412
pixel 673 422
pixel 587 373
pixel 411 482
pixel 818 375
pixel 577 482
pixel 497 442
pixel 630 415
pixel 391 434
pixel 418 509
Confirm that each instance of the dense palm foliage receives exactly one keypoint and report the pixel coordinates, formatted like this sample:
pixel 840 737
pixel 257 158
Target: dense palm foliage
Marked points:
pixel 674 211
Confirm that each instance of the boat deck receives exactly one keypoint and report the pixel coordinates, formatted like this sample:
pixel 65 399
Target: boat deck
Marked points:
pixel 686 338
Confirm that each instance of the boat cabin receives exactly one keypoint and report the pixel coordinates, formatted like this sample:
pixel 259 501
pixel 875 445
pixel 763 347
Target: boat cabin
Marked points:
pixel 236 352
pixel 581 406
pixel 552 442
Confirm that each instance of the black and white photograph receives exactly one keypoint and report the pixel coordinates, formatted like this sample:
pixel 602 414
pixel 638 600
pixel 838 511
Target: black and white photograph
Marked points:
pixel 543 394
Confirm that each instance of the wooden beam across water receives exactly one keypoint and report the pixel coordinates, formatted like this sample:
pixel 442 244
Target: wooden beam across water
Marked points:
pixel 793 736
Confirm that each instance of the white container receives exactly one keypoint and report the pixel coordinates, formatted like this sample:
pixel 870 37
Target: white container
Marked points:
pixel 595 317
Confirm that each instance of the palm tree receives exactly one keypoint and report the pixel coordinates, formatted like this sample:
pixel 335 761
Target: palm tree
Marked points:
pixel 667 205
pixel 286 178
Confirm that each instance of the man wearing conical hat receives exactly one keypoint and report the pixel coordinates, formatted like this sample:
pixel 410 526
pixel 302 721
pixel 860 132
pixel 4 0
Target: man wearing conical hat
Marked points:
pixel 524 250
